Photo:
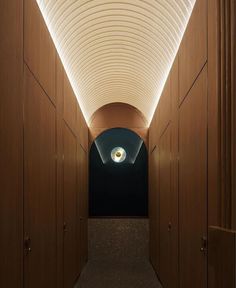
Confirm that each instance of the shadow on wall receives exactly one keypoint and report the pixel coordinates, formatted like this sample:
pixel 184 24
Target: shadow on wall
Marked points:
pixel 118 186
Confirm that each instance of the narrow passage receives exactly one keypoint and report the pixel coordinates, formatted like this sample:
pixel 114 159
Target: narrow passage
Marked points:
pixel 118 255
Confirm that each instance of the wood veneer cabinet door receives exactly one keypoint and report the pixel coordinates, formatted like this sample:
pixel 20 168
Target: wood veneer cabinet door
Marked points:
pixel 79 207
pixel 165 107
pixel 165 207
pixel 39 186
pixel 151 196
pixel 193 185
pixel 11 143
pixel 168 182
pixel 84 208
pixel 39 49
pixel 174 205
pixel 193 48
pixel 70 214
pixel 70 105
pixel 154 208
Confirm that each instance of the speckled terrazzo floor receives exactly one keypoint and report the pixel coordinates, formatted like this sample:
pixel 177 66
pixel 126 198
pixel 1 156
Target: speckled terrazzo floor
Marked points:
pixel 118 255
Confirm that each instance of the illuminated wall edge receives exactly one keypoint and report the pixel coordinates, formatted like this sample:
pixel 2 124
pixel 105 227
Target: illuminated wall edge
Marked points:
pixel 68 73
pixel 169 69
pixel 63 62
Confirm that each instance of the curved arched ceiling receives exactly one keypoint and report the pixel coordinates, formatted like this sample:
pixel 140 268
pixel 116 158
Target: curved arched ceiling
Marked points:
pixel 117 51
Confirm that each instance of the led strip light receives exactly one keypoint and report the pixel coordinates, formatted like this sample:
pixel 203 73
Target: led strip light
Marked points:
pixel 117 51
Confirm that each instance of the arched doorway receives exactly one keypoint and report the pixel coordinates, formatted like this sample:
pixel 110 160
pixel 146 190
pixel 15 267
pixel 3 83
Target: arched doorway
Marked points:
pixel 118 184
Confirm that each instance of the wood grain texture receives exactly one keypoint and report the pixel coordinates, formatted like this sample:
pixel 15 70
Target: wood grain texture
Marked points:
pixel 83 206
pixel 226 30
pixel 193 48
pixel 174 87
pixel 222 258
pixel 165 206
pixel 39 186
pixel 174 196
pixel 193 185
pixel 70 207
pixel 70 105
pixel 78 201
pixel 59 115
pixel 165 107
pixel 39 50
pixel 84 133
pixel 233 87
pixel 81 128
pixel 174 205
pixel 11 143
pixel 154 209
pixel 214 209
pixel 168 181
pixel 151 142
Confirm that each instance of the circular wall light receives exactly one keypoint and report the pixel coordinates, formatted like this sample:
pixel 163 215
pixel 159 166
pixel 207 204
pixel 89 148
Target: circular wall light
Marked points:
pixel 118 154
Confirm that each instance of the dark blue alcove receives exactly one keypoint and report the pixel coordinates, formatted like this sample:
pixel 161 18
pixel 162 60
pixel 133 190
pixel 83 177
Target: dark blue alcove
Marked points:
pixel 118 189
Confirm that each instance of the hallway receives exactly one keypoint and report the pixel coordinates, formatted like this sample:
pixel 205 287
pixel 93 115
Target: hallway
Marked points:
pixel 118 144
pixel 118 255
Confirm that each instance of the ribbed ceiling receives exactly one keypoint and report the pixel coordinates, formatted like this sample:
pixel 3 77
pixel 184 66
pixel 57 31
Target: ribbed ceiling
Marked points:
pixel 117 51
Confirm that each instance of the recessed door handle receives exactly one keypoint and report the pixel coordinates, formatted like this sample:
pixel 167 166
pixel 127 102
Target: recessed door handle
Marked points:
pixel 27 245
pixel 169 226
pixel 203 248
pixel 65 227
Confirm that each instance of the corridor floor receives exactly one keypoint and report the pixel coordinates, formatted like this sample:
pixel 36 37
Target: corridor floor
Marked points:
pixel 118 255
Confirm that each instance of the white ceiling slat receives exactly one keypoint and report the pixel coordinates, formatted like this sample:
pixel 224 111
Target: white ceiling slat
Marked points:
pixel 117 51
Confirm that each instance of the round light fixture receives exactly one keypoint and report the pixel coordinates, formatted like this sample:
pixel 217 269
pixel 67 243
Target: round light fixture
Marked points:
pixel 118 154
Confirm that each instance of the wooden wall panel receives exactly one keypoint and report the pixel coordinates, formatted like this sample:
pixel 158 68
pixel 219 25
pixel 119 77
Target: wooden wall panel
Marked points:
pixel 59 98
pixel 233 118
pixel 174 205
pixel 84 134
pixel 222 258
pixel 213 116
pixel 193 48
pixel 193 185
pixel 78 201
pixel 151 141
pixel 154 130
pixel 39 186
pixel 82 129
pixel 70 105
pixel 209 38
pixel 165 107
pixel 154 198
pixel 151 196
pixel 168 181
pixel 83 207
pixel 165 208
pixel 78 122
pixel 11 143
pixel 43 100
pixel 150 136
pixel 39 50
pixel 70 207
pixel 226 81
pixel 164 243
pixel 174 87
